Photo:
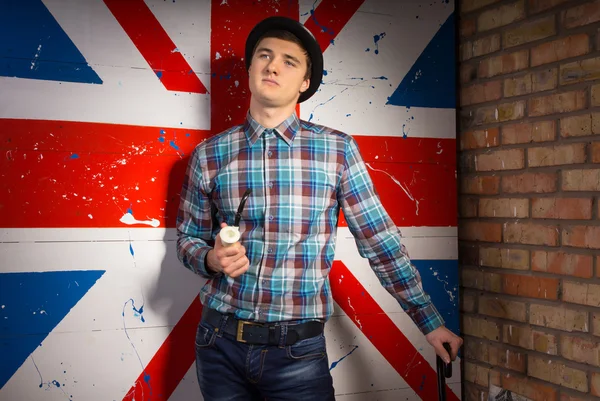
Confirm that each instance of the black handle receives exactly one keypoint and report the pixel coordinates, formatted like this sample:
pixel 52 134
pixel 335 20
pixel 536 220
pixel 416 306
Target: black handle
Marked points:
pixel 444 370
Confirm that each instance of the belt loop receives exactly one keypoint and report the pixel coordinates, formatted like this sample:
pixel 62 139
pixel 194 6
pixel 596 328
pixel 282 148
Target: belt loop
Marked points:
pixel 222 325
pixel 283 335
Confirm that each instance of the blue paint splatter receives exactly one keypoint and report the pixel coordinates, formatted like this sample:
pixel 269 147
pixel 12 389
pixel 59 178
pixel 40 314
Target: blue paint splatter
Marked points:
pixel 367 50
pixel 131 250
pixel 381 78
pixel 404 133
pixel 159 74
pixel 334 364
pixel 376 39
pixel 422 382
pixel 325 72
pixel 173 145
pixel 323 27
pixel 321 104
pixel 162 132
pixel 74 156
pixel 187 134
pixel 348 115
pixel 161 139
pixel 137 312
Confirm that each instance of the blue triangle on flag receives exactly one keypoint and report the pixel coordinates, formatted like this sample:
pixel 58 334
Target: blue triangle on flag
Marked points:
pixel 431 80
pixel 35 46
pixel 31 305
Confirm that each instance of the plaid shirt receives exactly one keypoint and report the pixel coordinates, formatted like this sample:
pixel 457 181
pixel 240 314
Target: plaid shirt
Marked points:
pixel 300 174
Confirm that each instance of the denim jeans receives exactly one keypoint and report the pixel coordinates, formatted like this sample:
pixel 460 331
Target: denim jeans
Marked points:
pixel 236 371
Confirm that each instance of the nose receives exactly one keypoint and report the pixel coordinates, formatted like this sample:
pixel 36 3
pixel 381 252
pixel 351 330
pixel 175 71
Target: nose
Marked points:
pixel 272 67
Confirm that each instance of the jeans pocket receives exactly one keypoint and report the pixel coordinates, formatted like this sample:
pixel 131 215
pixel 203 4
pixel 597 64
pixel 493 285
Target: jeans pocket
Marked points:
pixel 205 336
pixel 310 348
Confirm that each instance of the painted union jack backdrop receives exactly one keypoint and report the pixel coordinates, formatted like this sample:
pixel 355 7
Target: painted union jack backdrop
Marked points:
pixel 102 102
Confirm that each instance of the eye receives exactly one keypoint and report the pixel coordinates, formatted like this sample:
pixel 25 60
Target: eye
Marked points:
pixel 264 55
pixel 290 63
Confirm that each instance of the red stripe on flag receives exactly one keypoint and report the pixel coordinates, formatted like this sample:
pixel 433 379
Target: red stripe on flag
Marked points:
pixel 155 45
pixel 384 334
pixel 329 18
pixel 171 362
pixel 59 173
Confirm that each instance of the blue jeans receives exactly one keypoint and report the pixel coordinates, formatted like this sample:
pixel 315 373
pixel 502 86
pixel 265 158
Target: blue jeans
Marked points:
pixel 236 371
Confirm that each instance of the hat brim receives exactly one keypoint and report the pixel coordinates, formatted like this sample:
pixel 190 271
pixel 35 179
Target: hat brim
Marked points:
pixel 308 41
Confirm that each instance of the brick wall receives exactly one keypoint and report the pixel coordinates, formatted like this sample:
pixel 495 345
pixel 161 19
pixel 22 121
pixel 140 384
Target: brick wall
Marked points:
pixel 529 167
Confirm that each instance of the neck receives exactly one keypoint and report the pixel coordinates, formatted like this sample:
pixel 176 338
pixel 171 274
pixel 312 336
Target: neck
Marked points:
pixel 270 117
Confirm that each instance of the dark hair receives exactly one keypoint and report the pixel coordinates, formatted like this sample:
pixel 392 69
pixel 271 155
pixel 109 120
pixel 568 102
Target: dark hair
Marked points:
pixel 290 37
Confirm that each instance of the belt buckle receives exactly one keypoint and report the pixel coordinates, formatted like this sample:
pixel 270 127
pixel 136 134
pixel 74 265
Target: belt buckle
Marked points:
pixel 240 329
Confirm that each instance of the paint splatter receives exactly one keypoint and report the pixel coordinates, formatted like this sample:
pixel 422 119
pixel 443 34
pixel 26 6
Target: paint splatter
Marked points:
pixel 399 184
pixel 451 292
pixel 319 105
pixel 376 39
pixel 130 220
pixel 323 27
pixel 137 313
pixel 159 74
pixel 74 156
pixel 381 78
pixel 35 58
pixel 334 364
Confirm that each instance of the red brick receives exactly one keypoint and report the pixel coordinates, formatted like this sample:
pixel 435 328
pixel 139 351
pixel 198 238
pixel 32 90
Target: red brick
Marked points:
pixel 480 93
pixel 529 338
pixel 484 138
pixel 486 45
pixel 558 317
pixel 581 237
pixel 580 71
pixel 536 6
pixel 596 324
pixel 582 125
pixel 481 328
pixel 467 6
pixel 496 355
pixel 506 207
pixel 467 206
pixel 595 384
pixel 596 152
pixel 502 308
pixel 584 14
pixel 485 185
pixel 581 293
pixel 530 234
pixel 561 208
pixel 530 388
pixel 468 27
pixel 480 231
pixel 596 93
pixel 504 258
pixel 529 32
pixel 581 180
pixel 499 113
pixel 557 373
pixel 541 131
pixel 580 350
pixel 532 82
pixel 503 64
pixel 556 155
pixel 472 279
pixel 562 263
pixel 512 159
pixel 530 286
pixel 529 183
pixel 569 397
pixel 560 49
pixel 501 16
pixel 557 103
pixel 476 374
pixel 468 302
pixel 468 73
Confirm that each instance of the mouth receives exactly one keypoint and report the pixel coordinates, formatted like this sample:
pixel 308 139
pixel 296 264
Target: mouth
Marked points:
pixel 270 81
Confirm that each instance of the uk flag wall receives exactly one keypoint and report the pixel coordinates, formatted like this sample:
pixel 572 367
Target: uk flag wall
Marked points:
pixel 101 103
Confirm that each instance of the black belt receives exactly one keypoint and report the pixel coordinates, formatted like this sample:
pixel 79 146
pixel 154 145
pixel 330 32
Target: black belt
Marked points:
pixel 262 333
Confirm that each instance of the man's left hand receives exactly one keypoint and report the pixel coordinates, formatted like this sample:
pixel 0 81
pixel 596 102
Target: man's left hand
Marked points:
pixel 442 335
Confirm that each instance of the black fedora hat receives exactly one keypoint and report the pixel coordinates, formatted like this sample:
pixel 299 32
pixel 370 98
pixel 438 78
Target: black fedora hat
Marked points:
pixel 308 41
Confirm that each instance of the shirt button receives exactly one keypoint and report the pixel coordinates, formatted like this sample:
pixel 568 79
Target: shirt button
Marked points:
pixel 270 218
pixel 264 281
pixel 270 153
pixel 271 184
pixel 270 250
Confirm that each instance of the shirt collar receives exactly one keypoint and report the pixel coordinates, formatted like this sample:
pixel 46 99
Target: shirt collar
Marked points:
pixel 286 130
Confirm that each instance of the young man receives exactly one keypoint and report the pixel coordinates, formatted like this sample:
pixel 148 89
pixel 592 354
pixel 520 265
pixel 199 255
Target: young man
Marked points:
pixel 268 295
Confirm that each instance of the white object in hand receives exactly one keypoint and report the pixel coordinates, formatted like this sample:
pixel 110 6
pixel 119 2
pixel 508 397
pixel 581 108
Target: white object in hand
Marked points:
pixel 229 235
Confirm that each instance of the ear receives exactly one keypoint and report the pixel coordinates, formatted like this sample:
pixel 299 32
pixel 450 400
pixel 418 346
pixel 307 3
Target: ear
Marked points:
pixel 305 85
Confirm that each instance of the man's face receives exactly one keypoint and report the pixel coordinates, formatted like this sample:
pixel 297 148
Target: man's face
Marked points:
pixel 276 74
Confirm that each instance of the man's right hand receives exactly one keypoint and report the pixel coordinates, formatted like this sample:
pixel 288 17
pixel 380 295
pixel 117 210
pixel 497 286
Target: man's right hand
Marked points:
pixel 230 260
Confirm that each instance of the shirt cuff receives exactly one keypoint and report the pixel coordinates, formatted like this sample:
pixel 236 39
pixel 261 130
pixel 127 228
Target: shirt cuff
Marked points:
pixel 427 318
pixel 201 265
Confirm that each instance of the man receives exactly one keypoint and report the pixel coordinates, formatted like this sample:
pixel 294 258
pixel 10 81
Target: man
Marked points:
pixel 268 296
